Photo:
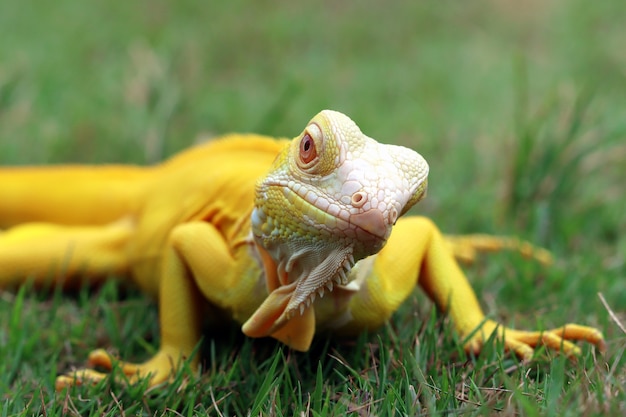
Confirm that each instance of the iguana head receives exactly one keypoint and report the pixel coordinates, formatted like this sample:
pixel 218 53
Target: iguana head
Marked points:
pixel 329 200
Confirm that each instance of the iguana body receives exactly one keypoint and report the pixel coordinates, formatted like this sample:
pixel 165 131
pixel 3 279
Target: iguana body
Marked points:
pixel 258 227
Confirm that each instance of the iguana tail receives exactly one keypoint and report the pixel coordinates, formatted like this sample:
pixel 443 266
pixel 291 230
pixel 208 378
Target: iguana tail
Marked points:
pixel 70 195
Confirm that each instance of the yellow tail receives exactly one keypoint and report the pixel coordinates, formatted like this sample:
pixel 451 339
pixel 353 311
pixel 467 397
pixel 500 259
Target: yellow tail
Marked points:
pixel 69 194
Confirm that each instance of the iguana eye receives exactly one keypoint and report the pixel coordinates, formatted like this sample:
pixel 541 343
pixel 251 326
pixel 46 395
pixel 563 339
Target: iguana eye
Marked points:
pixel 308 151
pixel 310 148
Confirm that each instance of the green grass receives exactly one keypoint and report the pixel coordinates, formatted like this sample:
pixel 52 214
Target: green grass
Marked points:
pixel 519 110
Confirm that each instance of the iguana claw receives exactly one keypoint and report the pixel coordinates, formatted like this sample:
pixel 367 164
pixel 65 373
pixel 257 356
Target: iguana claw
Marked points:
pixel 522 343
pixel 160 368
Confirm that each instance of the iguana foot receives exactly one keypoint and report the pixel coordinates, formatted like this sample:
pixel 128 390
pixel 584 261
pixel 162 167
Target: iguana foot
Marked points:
pixel 522 343
pixel 158 369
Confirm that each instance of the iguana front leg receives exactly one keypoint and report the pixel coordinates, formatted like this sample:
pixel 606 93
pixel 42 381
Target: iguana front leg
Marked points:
pixel 197 262
pixel 417 253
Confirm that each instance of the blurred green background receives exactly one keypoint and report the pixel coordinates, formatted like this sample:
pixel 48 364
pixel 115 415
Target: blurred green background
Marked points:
pixel 519 107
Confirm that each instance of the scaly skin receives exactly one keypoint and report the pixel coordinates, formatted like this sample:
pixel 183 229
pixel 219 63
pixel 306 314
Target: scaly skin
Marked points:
pixel 285 237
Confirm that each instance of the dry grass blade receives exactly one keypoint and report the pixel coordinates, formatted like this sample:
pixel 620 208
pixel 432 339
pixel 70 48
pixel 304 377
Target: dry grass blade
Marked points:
pixel 611 313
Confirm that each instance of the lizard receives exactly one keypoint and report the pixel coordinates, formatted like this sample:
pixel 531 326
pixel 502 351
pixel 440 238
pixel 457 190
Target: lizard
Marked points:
pixel 286 237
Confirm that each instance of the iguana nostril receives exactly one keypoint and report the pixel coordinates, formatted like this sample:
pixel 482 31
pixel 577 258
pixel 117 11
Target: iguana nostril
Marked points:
pixel 393 215
pixel 358 199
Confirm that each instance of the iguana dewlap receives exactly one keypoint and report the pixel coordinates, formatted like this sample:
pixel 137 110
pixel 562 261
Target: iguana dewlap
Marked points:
pixel 283 236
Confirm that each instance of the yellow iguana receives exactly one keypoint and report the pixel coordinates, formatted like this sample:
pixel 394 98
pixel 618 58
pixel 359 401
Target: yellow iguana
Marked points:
pixel 285 237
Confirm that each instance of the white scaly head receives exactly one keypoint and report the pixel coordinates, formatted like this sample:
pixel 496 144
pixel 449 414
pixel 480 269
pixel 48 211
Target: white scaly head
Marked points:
pixel 330 199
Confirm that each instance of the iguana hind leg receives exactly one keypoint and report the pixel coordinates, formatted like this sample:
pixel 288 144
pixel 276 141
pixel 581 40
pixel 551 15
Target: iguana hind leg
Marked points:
pixel 466 247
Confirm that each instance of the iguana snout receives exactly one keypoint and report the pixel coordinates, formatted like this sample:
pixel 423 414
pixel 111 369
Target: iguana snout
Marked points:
pixel 330 199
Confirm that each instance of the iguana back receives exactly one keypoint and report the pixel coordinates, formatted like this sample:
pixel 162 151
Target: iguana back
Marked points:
pixel 94 195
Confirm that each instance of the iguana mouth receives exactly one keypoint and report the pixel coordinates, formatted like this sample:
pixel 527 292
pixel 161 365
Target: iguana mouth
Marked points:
pixel 363 225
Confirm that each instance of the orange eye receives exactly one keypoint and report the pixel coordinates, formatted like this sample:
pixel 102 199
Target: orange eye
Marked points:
pixel 308 152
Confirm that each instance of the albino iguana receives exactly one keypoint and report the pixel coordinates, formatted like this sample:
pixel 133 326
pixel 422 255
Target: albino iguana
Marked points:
pixel 283 236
